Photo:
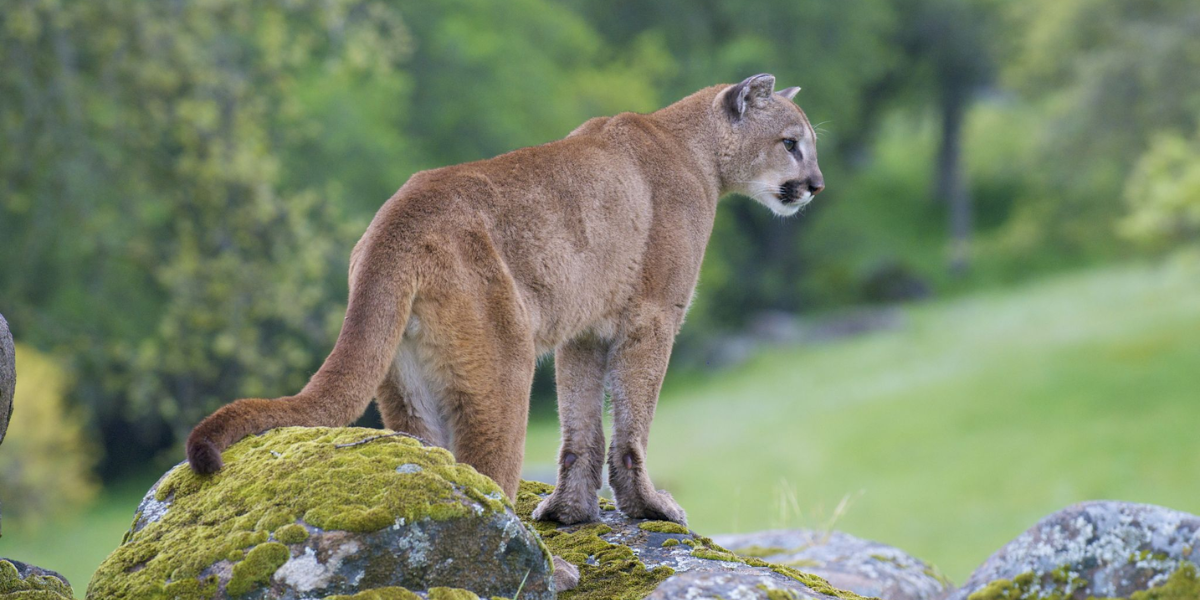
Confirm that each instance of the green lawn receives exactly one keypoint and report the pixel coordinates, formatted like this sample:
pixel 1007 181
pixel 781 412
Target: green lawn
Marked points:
pixel 959 431
pixel 950 435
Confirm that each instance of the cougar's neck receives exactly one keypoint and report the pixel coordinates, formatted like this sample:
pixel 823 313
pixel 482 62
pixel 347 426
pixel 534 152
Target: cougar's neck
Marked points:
pixel 693 122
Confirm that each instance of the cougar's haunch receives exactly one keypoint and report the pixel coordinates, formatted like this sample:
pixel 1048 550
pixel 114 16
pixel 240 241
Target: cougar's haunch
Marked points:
pixel 589 246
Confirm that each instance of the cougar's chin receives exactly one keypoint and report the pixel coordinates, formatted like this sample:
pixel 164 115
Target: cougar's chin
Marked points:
pixel 780 206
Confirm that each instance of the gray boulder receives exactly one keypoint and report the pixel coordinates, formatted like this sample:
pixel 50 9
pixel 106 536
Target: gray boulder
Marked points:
pixel 8 376
pixel 629 559
pixel 861 566
pixel 301 513
pixel 1095 549
pixel 20 581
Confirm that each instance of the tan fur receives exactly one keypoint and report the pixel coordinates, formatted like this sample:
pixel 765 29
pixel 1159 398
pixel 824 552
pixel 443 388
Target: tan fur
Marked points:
pixel 589 246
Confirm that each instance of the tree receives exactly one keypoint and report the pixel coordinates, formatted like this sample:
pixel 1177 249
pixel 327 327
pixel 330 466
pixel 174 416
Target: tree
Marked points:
pixel 143 184
pixel 1109 77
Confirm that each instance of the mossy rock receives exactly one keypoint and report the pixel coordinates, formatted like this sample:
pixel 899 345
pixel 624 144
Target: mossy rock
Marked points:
pixel 1100 550
pixel 630 559
pixel 326 512
pixel 861 566
pixel 19 581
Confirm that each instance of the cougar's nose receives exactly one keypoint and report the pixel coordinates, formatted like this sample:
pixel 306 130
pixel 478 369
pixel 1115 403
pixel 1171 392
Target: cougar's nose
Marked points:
pixel 815 185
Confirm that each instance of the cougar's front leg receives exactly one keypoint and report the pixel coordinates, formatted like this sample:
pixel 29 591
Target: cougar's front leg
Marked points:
pixel 579 372
pixel 636 368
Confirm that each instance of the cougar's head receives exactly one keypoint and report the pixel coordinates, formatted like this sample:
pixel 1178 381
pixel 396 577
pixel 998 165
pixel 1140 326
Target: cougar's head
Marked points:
pixel 769 149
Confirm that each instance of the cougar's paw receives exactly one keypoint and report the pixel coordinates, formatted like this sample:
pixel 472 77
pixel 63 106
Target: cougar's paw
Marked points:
pixel 655 506
pixel 566 510
pixel 204 457
pixel 566 575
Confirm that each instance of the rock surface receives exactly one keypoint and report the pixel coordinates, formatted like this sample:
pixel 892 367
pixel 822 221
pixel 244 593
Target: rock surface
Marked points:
pixel 20 581
pixel 8 376
pixel 723 586
pixel 317 513
pixel 861 566
pixel 1095 549
pixel 631 559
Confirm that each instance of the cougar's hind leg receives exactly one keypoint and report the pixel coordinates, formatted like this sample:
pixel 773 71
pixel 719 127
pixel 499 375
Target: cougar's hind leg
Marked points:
pixel 488 398
pixel 579 373
pixel 482 357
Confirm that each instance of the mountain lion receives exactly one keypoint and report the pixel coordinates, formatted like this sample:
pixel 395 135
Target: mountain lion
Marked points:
pixel 589 246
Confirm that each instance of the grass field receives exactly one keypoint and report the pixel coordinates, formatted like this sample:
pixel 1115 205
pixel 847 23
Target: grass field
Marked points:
pixel 949 436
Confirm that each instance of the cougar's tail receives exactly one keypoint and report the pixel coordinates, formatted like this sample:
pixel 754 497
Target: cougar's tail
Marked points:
pixel 376 316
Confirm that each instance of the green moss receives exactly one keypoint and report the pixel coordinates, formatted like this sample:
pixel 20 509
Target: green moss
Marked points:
pixel 760 551
pixel 710 554
pixel 291 534
pixel 663 527
pixel 387 593
pixel 257 568
pixel 778 594
pixel 1184 584
pixel 669 542
pixel 311 480
pixel 812 582
pixel 34 587
pixel 445 593
pixel 617 573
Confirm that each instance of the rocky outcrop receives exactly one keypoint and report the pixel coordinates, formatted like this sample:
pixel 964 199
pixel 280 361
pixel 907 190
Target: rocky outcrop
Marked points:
pixel 847 562
pixel 20 581
pixel 1096 549
pixel 327 513
pixel 630 559
pixel 8 376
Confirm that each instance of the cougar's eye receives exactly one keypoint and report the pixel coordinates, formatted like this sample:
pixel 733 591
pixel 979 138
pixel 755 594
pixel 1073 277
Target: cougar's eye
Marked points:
pixel 789 144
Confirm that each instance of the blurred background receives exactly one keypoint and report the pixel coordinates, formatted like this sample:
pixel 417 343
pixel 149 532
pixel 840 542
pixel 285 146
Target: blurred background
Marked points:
pixel 992 312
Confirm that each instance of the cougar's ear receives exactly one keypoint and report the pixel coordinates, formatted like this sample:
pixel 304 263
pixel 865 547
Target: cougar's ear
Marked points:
pixel 789 93
pixel 738 98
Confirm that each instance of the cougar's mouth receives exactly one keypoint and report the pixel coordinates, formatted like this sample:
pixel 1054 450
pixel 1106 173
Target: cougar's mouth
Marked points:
pixel 792 191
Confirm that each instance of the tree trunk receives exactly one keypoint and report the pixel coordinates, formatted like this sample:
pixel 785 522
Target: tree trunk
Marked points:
pixel 951 180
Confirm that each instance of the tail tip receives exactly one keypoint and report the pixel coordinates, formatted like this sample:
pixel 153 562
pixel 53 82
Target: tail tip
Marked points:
pixel 204 457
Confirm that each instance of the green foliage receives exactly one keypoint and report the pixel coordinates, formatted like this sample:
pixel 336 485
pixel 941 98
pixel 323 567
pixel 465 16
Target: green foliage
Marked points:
pixel 1163 193
pixel 144 184
pixel 45 466
pixel 1105 76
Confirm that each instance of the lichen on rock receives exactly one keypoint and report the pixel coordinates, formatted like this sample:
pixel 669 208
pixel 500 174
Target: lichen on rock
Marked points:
pixel 1102 550
pixel 315 512
pixel 20 581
